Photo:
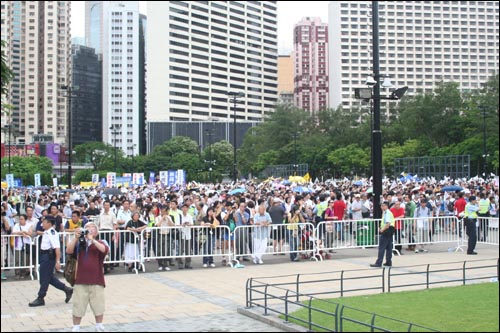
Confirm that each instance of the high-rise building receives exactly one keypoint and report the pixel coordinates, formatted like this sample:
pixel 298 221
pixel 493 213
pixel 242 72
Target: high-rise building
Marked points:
pixel 94 25
pixel 38 51
pixel 421 43
pixel 285 79
pixel 113 27
pixel 86 106
pixel 310 38
pixel 200 51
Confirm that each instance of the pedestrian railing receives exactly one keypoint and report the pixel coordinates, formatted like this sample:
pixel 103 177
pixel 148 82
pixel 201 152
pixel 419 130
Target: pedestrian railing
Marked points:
pixel 18 255
pixel 293 239
pixel 286 293
pixel 165 244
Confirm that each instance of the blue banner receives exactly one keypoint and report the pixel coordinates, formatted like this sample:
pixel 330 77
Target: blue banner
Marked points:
pixel 151 177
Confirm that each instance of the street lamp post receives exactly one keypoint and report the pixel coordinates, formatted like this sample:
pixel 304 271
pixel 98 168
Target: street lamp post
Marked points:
pixel 115 132
pixel 485 149
pixel 234 99
pixel 10 124
pixel 295 165
pixel 69 95
pixel 211 162
pixel 373 94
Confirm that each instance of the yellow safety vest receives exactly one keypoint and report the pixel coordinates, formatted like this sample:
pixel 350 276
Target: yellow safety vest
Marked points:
pixel 469 213
pixel 484 206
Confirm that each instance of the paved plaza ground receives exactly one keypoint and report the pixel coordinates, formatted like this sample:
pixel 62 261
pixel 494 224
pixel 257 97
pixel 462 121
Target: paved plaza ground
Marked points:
pixel 201 299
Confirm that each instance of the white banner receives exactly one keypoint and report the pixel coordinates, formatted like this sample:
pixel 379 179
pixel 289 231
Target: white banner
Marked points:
pixel 95 178
pixel 138 179
pixel 164 177
pixel 54 182
pixel 37 180
pixel 111 179
pixel 10 180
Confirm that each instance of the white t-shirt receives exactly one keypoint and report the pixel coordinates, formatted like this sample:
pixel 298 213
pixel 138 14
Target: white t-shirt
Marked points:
pixel 20 241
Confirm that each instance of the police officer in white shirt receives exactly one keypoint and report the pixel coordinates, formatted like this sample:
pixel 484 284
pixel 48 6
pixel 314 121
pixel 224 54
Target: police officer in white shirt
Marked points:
pixel 50 255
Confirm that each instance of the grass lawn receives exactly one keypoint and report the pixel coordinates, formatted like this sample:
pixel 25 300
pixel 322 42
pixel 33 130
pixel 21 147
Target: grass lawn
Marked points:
pixel 470 308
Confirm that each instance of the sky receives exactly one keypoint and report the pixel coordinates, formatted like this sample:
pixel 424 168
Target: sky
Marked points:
pixel 289 13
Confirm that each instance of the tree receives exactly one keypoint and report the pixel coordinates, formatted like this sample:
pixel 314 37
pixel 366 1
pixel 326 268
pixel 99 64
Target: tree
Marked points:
pixel 99 154
pixel 6 72
pixel 25 167
pixel 350 159
pixel 221 154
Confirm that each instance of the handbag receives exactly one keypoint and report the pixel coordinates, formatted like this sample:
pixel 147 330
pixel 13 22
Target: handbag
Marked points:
pixel 70 269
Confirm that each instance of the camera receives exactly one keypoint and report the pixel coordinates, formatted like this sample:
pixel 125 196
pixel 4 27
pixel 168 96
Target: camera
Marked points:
pixel 82 236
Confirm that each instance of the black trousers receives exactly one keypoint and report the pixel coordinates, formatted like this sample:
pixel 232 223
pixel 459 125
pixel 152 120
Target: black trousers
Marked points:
pixel 470 229
pixel 385 245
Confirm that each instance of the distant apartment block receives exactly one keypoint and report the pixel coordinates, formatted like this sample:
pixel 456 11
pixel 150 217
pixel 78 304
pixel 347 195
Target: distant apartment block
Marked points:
pixel 311 89
pixel 38 51
pixel 421 44
pixel 199 51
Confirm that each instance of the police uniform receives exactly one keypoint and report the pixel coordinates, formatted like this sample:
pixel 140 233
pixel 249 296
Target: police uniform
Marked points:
pixel 50 242
pixel 385 241
pixel 470 218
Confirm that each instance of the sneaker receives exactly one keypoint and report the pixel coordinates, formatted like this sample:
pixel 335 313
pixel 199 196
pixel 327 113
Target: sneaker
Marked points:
pixel 261 262
pixel 425 250
pixel 160 268
pixel 416 251
pixel 166 268
pixel 421 250
pixel 75 329
pixel 212 265
pixel 255 261
pixel 205 265
pixel 99 329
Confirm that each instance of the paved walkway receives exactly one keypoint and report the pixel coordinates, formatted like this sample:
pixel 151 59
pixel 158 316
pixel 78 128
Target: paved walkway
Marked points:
pixel 186 300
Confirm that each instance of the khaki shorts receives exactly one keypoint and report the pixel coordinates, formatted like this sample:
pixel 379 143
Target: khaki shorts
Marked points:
pixel 84 294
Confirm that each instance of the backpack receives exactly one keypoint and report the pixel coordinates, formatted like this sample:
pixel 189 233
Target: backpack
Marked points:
pixel 451 206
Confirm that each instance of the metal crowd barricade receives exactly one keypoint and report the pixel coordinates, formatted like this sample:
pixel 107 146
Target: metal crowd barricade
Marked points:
pixel 296 239
pixel 347 234
pixel 23 260
pixel 428 230
pixel 182 243
pixel 487 230
pixel 124 247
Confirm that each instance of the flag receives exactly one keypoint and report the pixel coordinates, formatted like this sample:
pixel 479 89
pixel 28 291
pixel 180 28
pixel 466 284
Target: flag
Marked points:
pixel 393 185
pixel 307 177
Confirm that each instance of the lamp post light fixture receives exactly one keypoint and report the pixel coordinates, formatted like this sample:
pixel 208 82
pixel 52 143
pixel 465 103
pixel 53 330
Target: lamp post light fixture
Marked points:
pixel 234 95
pixel 373 93
pixel 69 95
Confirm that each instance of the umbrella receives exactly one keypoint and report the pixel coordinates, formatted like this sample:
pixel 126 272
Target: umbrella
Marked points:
pixel 301 189
pixel 452 188
pixel 237 190
pixel 370 190
pixel 69 190
pixel 358 183
pixel 286 182
pixel 112 191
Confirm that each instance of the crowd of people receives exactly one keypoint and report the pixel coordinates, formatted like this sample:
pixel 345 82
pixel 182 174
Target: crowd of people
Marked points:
pixel 212 205
pixel 27 213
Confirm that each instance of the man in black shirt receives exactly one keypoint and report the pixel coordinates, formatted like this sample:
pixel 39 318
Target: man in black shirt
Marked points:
pixel 277 213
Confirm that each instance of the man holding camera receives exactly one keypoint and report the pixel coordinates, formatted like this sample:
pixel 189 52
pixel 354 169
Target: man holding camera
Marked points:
pixel 89 283
pixel 50 256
